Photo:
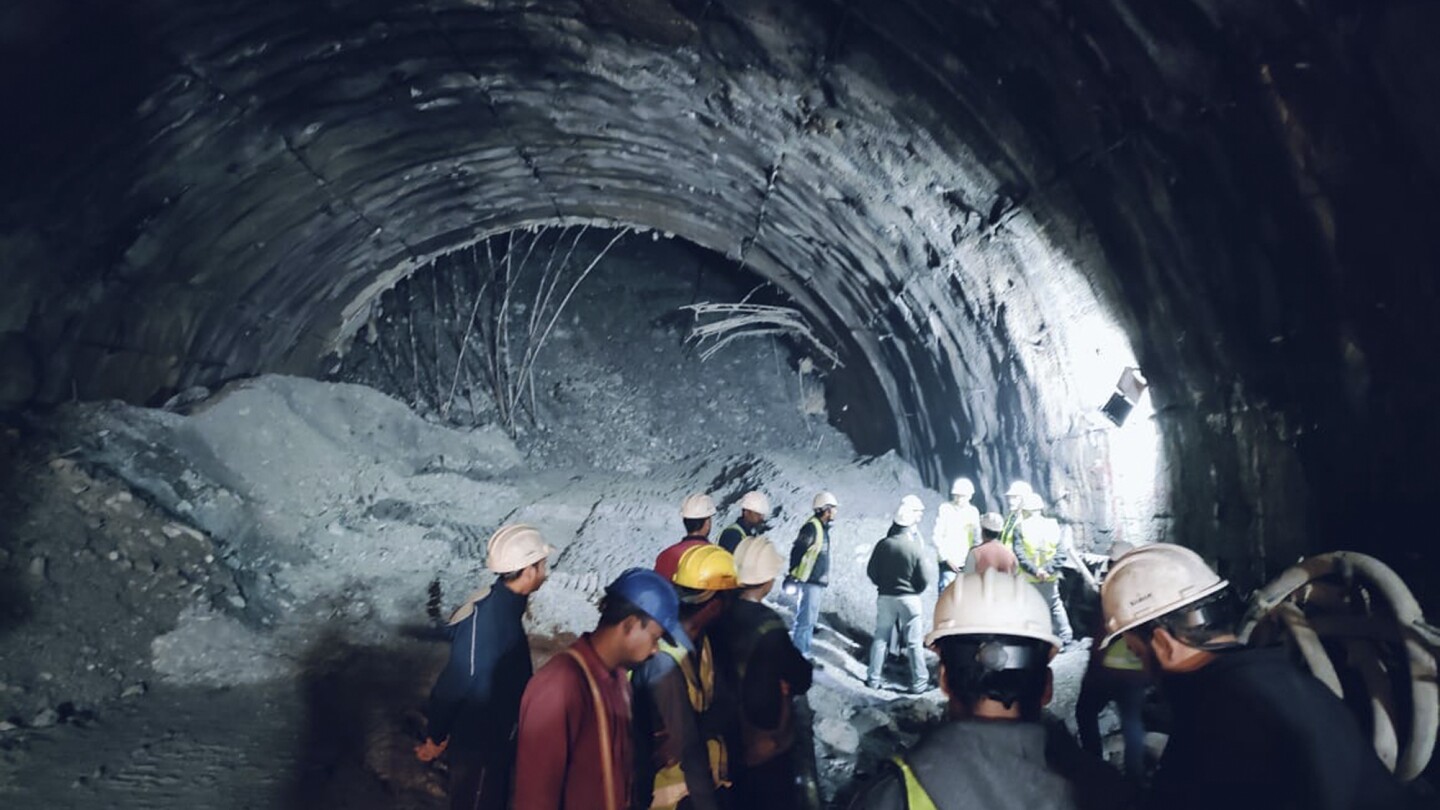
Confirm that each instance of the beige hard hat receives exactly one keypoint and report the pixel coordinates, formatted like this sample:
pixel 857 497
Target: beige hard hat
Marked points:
pixel 1032 502
pixel 824 500
pixel 755 501
pixel 962 486
pixel 697 507
pixel 758 561
pixel 1018 489
pixel 909 511
pixel 1151 581
pixel 515 546
pixel 992 522
pixel 992 603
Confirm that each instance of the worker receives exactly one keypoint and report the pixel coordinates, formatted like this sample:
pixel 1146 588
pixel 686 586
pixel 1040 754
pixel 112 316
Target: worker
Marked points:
pixel 1037 547
pixel 1250 729
pixel 685 713
pixel 697 512
pixel 957 530
pixel 991 553
pixel 900 569
pixel 767 671
pixel 475 703
pixel 574 741
pixel 754 509
pixel 810 568
pixel 1114 674
pixel 1013 496
pixel 992 633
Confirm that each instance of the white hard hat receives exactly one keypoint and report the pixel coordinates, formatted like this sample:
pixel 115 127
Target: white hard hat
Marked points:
pixel 1151 581
pixel 1032 502
pixel 1018 488
pixel 697 507
pixel 909 511
pixel 992 603
pixel 755 501
pixel 992 522
pixel 758 561
pixel 824 500
pixel 515 546
pixel 962 486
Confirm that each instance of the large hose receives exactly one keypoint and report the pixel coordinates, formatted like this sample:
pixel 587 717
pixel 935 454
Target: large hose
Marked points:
pixel 1410 631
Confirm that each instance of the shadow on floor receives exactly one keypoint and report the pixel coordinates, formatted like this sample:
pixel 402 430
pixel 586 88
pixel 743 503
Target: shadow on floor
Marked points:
pixel 363 720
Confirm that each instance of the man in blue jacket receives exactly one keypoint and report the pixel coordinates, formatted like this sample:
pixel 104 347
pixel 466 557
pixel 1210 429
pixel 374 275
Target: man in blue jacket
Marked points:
pixel 475 704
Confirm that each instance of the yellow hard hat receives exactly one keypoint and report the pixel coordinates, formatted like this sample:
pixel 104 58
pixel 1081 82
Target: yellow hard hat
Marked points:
pixel 707 568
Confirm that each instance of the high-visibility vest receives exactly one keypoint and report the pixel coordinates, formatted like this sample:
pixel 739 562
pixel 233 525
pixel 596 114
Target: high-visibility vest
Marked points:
pixel 802 571
pixel 1118 656
pixel 670 787
pixel 1039 542
pixel 1007 534
pixel 915 796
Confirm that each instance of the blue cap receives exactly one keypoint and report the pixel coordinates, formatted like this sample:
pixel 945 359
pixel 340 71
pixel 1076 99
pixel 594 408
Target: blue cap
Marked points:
pixel 649 591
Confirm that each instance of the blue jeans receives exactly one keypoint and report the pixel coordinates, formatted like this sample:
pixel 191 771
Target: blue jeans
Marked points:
pixel 1128 694
pixel 806 614
pixel 903 612
pixel 947 576
pixel 1058 617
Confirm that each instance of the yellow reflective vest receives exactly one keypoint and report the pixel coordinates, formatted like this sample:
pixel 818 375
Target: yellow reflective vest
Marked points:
pixel 670 786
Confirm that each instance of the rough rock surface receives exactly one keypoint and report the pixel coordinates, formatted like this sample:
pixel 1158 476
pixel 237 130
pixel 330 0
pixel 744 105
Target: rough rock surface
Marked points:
pixel 996 204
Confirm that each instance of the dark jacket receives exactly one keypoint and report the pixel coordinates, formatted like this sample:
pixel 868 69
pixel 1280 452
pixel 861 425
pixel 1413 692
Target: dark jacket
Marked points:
pixel 735 532
pixel 900 565
pixel 667 729
pixel 476 700
pixel 998 765
pixel 820 573
pixel 1251 730
pixel 756 652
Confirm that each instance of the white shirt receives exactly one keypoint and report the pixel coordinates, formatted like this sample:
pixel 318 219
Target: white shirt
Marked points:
pixel 957 530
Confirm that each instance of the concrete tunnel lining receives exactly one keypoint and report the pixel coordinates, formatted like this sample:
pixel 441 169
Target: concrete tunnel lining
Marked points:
pixel 931 159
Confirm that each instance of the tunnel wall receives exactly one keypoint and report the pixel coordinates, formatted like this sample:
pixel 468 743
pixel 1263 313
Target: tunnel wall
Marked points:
pixel 957 192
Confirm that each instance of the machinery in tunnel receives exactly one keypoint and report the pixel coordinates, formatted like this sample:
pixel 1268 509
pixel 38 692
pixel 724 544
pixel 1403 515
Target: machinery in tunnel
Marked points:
pixel 304 298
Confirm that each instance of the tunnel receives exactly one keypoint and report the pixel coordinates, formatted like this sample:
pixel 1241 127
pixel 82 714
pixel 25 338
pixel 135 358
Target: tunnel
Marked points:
pixel 969 218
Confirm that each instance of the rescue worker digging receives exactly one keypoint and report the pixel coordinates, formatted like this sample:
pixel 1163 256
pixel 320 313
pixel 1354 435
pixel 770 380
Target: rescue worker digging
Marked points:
pixel 900 569
pixel 475 704
pixel 685 710
pixel 810 569
pixel 754 509
pixel 1251 731
pixel 760 660
pixel 574 745
pixel 992 632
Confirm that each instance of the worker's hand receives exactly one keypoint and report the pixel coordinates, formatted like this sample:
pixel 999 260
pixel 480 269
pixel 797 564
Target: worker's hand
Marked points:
pixel 428 750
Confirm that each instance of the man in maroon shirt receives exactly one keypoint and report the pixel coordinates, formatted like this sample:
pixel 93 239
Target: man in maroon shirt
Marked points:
pixel 574 746
pixel 991 553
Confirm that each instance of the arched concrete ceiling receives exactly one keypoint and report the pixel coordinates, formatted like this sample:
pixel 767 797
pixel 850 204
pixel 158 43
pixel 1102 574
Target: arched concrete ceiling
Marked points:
pixel 991 206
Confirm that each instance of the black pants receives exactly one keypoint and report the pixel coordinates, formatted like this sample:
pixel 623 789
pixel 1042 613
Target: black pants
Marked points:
pixel 478 782
pixel 767 785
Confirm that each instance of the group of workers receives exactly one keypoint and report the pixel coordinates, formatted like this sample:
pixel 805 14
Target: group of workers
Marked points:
pixel 683 694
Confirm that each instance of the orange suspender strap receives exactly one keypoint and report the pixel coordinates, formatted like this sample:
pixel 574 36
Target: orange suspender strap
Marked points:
pixel 606 763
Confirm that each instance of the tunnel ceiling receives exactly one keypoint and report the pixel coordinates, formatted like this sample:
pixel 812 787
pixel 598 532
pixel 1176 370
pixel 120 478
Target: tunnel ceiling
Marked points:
pixel 960 191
